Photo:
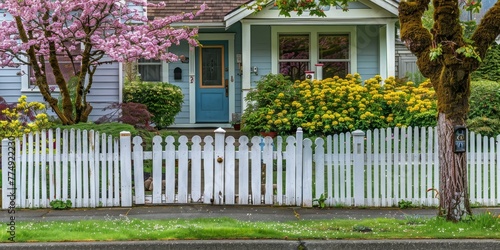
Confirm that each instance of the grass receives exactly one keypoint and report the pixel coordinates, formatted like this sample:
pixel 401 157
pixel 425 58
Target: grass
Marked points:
pixel 482 226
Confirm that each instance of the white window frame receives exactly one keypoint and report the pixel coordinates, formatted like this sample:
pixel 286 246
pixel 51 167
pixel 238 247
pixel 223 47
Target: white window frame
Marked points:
pixel 348 60
pixel 314 32
pixel 151 63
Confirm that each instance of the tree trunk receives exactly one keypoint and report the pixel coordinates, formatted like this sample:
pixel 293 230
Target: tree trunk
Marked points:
pixel 453 104
pixel 453 196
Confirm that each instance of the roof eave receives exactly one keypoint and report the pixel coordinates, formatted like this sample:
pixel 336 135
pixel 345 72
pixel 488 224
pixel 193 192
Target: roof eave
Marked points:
pixel 200 24
pixel 236 16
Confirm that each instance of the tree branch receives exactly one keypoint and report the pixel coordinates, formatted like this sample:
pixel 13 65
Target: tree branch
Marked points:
pixel 487 31
pixel 417 38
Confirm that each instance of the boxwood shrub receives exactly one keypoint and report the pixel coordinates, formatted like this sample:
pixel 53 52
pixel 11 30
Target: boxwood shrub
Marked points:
pixel 163 100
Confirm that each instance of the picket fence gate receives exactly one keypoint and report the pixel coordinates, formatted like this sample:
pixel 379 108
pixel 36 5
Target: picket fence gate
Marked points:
pixel 378 168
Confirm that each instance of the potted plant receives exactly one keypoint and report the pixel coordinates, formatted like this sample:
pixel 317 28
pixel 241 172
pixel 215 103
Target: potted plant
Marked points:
pixel 236 121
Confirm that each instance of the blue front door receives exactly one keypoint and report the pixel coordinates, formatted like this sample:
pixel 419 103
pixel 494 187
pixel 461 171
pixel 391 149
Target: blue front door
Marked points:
pixel 212 94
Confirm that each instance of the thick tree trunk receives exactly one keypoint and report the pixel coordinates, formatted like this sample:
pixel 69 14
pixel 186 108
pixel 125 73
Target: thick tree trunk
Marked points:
pixel 453 197
pixel 453 104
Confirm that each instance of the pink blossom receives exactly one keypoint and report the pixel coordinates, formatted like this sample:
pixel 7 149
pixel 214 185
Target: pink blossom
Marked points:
pixel 113 28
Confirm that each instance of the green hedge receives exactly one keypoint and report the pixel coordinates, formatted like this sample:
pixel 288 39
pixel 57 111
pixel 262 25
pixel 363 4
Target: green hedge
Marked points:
pixel 163 100
pixel 484 113
pixel 113 128
pixel 490 67
pixel 484 99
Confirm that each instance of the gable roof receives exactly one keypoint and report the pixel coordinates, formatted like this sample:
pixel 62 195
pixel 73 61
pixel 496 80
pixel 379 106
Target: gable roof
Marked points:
pixel 213 15
pixel 224 13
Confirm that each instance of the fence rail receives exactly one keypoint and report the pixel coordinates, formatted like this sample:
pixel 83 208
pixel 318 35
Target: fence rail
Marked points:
pixel 374 168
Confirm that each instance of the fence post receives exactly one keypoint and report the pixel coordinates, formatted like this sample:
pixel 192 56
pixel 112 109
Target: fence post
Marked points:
pixel 219 166
pixel 5 175
pixel 359 167
pixel 298 166
pixel 125 169
pixel 138 171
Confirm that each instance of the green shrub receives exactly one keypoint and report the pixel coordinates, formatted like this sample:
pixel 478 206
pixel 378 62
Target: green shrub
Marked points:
pixel 61 205
pixel 484 99
pixel 404 204
pixel 112 128
pixel 163 100
pixel 265 105
pixel 490 68
pixel 484 126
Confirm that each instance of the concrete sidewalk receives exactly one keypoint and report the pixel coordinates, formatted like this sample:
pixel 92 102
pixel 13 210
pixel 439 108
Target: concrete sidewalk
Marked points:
pixel 240 212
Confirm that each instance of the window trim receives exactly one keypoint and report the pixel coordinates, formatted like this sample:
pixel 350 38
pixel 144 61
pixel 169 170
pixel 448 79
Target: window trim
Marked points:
pixel 150 63
pixel 26 86
pixel 314 32
pixel 200 53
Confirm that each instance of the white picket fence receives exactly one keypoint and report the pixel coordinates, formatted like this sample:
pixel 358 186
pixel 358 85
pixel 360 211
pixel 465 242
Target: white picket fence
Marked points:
pixel 378 168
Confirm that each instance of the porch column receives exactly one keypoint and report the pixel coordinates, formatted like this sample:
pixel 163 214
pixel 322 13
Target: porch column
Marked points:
pixel 192 86
pixel 383 47
pixel 246 61
pixel 391 48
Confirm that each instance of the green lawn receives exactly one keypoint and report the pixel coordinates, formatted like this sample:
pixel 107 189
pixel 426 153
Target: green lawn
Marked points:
pixel 479 227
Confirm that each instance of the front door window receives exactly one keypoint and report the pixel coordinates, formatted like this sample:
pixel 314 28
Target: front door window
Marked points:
pixel 212 69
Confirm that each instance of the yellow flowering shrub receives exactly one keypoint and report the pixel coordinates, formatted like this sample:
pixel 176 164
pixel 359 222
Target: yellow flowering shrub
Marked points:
pixel 23 117
pixel 340 104
pixel 268 106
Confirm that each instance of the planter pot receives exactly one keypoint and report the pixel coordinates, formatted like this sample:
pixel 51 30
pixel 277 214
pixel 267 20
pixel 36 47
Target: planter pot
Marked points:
pixel 272 134
pixel 237 126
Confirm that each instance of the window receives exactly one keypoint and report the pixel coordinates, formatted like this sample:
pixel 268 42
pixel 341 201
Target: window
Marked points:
pixel 334 54
pixel 68 68
pixel 150 70
pixel 294 57
pixel 299 50
pixel 212 66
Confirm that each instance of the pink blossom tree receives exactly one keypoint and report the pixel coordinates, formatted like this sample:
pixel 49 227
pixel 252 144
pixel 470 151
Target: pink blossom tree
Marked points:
pixel 87 34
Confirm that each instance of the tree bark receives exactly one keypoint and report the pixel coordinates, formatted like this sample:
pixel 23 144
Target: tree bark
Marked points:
pixel 453 105
pixel 453 196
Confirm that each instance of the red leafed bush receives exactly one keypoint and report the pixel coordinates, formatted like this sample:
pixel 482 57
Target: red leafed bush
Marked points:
pixel 132 113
